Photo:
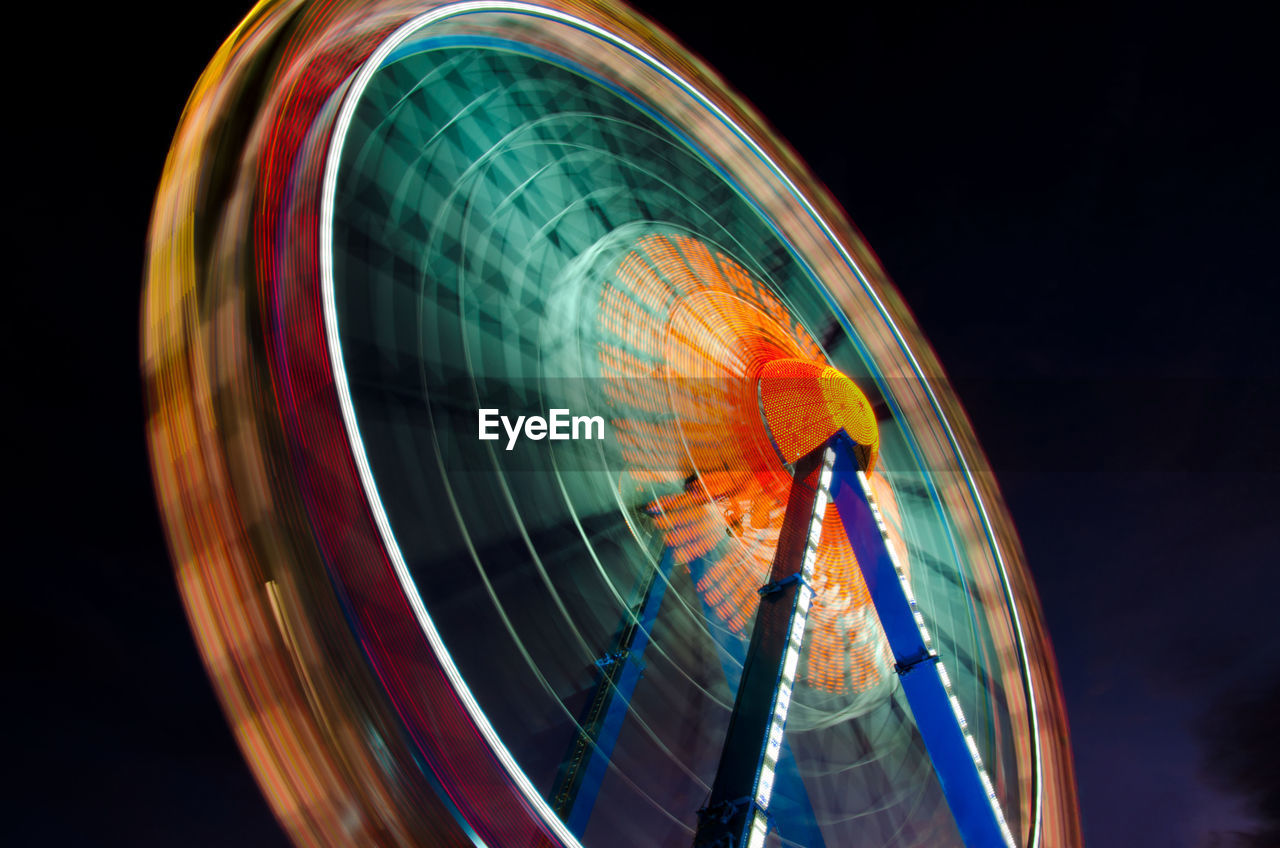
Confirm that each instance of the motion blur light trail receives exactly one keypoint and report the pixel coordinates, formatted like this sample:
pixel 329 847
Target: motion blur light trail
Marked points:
pixel 377 218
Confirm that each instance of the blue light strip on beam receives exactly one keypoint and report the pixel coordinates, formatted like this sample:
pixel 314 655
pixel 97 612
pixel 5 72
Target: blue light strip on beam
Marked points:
pixel 937 712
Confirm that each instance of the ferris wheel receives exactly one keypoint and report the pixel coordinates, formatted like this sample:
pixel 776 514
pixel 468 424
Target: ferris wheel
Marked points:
pixel 546 461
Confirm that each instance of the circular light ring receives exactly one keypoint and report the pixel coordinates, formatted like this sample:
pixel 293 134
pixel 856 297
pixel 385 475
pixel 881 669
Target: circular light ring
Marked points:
pixel 792 238
pixel 263 493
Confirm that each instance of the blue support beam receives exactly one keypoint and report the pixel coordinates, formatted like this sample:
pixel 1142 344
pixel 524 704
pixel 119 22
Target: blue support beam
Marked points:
pixel 937 714
pixel 584 768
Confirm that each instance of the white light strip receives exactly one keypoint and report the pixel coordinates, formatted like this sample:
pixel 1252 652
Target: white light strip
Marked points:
pixel 795 641
pixel 329 190
pixel 759 829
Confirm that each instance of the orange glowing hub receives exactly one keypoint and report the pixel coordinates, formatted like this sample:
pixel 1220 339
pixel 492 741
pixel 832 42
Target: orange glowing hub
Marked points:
pixel 717 389
pixel 804 403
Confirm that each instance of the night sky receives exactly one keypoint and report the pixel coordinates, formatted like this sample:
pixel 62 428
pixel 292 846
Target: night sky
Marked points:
pixel 1080 205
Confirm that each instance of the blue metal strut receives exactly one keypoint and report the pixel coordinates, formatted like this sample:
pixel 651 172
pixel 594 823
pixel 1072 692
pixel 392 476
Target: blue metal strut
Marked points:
pixel 583 771
pixel 937 712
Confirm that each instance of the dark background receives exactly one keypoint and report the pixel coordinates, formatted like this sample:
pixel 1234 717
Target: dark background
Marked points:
pixel 1079 204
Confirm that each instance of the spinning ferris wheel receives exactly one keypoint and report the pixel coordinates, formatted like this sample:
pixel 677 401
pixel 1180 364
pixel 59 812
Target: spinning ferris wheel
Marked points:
pixel 768 596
